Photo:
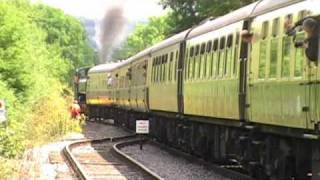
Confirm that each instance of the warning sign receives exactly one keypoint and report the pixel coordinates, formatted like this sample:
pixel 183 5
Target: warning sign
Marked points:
pixel 142 126
pixel 3 117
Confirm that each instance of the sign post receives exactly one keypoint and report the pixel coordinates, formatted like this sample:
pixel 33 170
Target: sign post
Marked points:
pixel 142 127
pixel 3 115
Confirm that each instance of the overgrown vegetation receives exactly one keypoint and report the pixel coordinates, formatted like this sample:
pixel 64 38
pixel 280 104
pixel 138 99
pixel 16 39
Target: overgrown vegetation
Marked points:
pixel 39 49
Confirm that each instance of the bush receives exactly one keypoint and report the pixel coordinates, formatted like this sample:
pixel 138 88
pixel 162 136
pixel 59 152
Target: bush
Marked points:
pixel 39 49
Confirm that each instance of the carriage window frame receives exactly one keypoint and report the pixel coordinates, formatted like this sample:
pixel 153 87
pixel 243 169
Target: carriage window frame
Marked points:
pixel 191 52
pixel 221 56
pixel 265 30
pixel 229 41
pixel 165 67
pixel 176 65
pixel 228 55
pixel 214 57
pixel 215 45
pixel 222 43
pixel 207 59
pixel 209 46
pixel 203 48
pixel 197 51
pixel 285 58
pixel 276 27
pixel 156 69
pixel 153 67
pixel 170 66
pixel 162 68
pixel 236 53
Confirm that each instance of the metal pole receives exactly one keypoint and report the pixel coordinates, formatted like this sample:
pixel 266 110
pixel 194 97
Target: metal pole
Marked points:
pixel 141 144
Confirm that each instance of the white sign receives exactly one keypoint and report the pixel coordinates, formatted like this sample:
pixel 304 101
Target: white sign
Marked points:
pixel 3 117
pixel 142 126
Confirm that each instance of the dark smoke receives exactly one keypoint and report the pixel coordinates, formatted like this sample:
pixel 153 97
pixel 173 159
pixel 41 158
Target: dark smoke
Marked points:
pixel 112 27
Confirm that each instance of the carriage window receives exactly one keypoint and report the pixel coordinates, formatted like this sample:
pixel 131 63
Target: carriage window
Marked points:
pixel 229 41
pixel 215 44
pixel 221 56
pixel 274 49
pixel 302 14
pixel 275 27
pixel 153 69
pixel 286 50
pixel 207 59
pixel 203 48
pixel 222 42
pixel 214 58
pixel 171 56
pixel 236 50
pixel 209 46
pixel 165 67
pixel 262 59
pixel 273 58
pixel 157 69
pixel 186 64
pixel 201 59
pixel 288 20
pixel 265 29
pixel 191 51
pixel 227 65
pixel 162 68
pixel 175 65
pixel 299 57
pixel 197 50
pixel 177 55
pixel 170 66
pixel 190 62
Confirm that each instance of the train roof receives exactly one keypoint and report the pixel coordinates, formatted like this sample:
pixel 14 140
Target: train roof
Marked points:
pixel 105 67
pixel 251 10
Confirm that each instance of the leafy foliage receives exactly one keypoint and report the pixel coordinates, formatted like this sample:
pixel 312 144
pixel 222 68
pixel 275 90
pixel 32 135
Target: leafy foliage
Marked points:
pixel 186 13
pixel 39 48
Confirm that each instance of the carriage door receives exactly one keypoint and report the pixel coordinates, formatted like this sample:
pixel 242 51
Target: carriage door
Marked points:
pixel 313 84
pixel 182 49
pixel 314 96
pixel 244 51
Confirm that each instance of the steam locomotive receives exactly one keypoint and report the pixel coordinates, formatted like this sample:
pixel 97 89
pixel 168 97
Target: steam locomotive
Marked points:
pixel 209 92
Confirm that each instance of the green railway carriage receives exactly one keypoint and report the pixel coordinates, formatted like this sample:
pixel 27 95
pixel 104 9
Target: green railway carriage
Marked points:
pixel 123 92
pixel 211 74
pixel 278 74
pixel 138 87
pixel 280 93
pixel 102 85
pixel 163 76
pixel 210 91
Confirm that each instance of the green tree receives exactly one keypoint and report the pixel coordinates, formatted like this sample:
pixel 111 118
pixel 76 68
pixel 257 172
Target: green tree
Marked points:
pixel 144 35
pixel 39 48
pixel 186 13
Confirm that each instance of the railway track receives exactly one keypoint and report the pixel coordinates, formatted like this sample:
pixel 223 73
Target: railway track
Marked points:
pixel 97 159
pixel 105 159
pixel 217 169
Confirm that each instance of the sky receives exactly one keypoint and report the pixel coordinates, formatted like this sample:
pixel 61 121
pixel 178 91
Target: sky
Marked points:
pixel 135 10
